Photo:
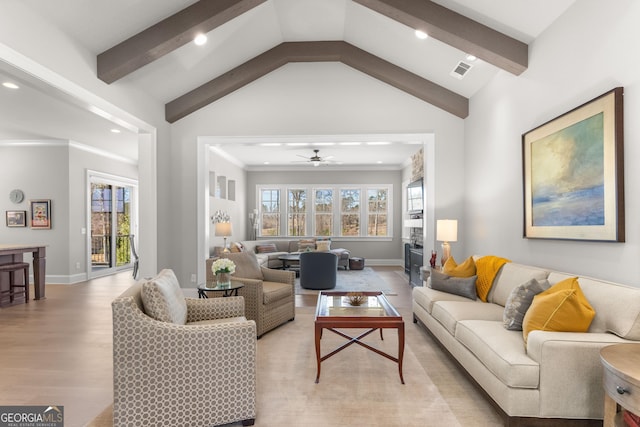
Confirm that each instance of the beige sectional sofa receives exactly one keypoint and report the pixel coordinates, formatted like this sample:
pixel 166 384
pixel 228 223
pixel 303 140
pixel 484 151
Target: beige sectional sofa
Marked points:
pixel 557 375
pixel 270 259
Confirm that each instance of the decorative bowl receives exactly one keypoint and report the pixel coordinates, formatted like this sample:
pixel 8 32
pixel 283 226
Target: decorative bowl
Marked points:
pixel 356 298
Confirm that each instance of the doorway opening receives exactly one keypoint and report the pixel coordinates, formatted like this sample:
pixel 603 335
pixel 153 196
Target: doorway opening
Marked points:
pixel 112 224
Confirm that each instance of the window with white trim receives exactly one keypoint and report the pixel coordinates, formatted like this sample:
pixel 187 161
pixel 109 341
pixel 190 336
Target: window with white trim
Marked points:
pixel 377 211
pixel 269 212
pixel 297 212
pixel 323 212
pixel 349 211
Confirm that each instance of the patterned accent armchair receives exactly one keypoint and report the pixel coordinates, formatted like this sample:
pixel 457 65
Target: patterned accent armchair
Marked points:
pixel 166 372
pixel 269 295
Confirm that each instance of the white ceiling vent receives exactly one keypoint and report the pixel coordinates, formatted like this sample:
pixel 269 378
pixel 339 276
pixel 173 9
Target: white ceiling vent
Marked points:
pixel 461 70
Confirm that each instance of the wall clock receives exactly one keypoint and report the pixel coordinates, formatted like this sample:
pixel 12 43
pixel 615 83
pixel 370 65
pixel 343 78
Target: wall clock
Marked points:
pixel 16 196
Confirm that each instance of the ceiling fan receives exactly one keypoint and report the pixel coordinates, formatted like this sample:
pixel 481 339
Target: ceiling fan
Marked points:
pixel 316 160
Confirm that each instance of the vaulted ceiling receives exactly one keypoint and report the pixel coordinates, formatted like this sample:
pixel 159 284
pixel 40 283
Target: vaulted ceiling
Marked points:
pixel 202 17
pixel 147 43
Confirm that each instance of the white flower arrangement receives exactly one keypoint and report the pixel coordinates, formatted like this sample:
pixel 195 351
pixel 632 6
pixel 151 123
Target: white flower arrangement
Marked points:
pixel 223 265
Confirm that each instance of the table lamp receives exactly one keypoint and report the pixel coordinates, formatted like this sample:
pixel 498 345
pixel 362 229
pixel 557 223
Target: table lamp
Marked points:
pixel 446 231
pixel 223 229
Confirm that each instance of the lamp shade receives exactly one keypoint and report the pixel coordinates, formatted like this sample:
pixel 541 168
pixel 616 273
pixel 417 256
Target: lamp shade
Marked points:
pixel 447 230
pixel 223 229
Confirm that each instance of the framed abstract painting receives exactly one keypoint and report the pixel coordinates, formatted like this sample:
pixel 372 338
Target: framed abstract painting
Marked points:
pixel 573 171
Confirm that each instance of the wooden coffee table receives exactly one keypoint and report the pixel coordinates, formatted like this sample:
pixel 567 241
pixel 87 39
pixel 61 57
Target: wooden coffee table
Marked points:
pixel 334 312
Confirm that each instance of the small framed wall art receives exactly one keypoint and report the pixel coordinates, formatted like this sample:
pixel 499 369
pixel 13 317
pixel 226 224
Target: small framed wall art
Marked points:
pixel 41 214
pixel 16 218
pixel 573 173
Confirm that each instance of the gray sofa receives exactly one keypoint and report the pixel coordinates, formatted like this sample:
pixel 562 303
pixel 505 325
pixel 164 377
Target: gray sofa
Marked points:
pixel 270 259
pixel 556 375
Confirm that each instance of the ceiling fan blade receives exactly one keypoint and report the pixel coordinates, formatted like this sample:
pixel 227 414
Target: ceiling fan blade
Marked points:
pixel 304 157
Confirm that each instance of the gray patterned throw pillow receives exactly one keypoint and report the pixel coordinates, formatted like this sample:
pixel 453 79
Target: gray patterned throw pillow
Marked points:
pixel 519 302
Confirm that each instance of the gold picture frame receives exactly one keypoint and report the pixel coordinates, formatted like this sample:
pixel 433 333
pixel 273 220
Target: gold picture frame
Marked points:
pixel 573 171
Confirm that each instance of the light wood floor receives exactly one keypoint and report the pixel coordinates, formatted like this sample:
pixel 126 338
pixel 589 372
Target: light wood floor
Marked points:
pixel 58 351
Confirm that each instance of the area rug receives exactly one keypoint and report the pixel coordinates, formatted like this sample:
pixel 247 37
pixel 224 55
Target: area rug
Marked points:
pixel 357 387
pixel 353 280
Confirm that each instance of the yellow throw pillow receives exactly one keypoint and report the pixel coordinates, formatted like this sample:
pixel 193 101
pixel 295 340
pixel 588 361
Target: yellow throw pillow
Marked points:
pixel 561 308
pixel 466 269
pixel 487 268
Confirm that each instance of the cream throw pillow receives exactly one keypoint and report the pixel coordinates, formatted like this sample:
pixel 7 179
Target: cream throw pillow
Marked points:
pixel 323 245
pixel 163 299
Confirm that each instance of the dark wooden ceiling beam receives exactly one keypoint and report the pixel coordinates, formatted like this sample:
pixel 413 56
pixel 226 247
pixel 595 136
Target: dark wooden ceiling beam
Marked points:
pixel 335 51
pixel 406 81
pixel 168 35
pixel 456 30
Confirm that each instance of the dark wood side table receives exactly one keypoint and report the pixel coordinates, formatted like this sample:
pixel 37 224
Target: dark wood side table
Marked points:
pixel 621 381
pixel 227 291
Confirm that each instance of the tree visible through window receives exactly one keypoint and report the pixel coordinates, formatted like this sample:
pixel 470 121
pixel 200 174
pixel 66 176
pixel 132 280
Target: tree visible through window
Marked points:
pixel 350 212
pixel 377 211
pixel 270 212
pixel 297 212
pixel 324 212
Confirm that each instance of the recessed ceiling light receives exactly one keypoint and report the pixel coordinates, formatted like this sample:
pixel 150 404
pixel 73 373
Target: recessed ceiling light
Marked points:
pixel 471 57
pixel 115 130
pixel 200 39
pixel 297 144
pixel 379 162
pixel 271 144
pixel 266 163
pixel 421 34
pixel 378 143
pixel 350 143
pixel 10 85
pixel 324 143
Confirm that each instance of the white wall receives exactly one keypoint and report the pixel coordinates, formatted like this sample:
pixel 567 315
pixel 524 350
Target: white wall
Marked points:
pixel 236 209
pixel 41 173
pixel 53 170
pixel 588 51
pixel 70 68
pixel 79 161
pixel 308 99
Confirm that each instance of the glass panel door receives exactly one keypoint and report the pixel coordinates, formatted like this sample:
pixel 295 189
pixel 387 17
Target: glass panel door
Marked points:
pixel 111 227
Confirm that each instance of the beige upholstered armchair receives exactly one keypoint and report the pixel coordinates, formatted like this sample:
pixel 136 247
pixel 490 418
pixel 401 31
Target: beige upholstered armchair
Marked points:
pixel 181 361
pixel 269 295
